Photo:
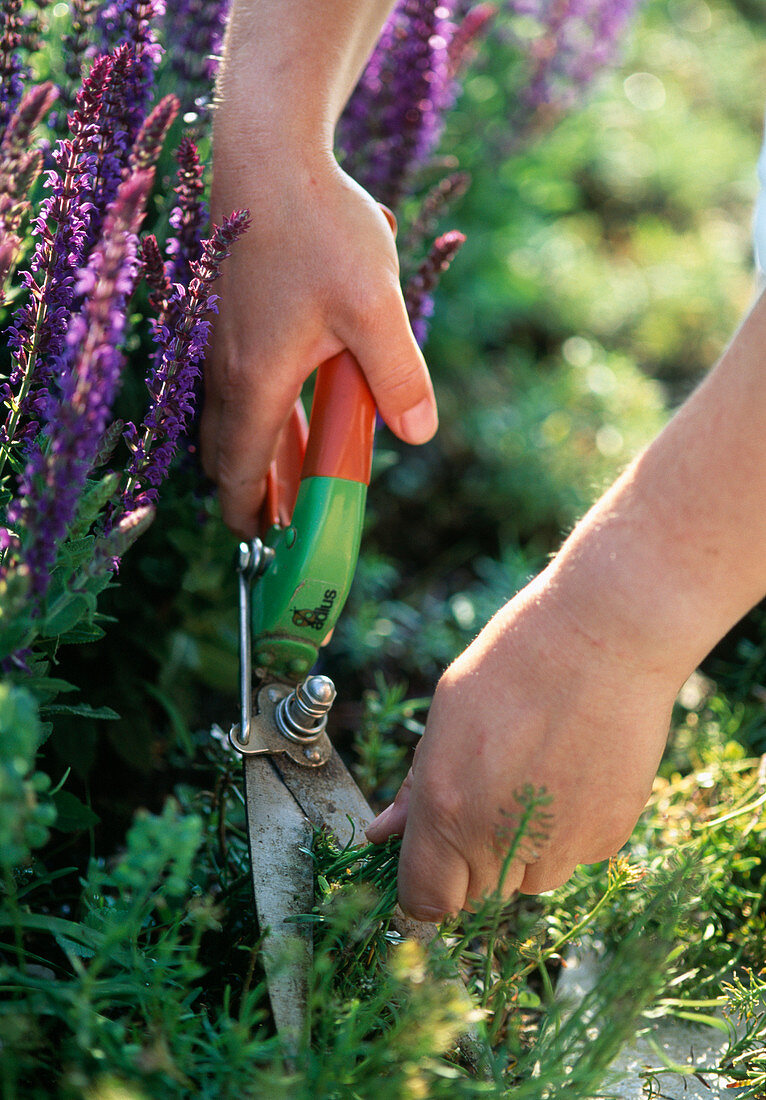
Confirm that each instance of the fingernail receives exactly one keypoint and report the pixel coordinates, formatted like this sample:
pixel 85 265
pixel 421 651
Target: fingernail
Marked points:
pixel 419 423
pixel 381 819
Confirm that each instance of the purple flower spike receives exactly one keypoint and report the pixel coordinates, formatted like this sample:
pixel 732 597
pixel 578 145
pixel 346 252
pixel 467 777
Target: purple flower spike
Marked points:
pixel 76 43
pixel 134 23
pixel 194 33
pixel 160 286
pixel 577 39
pixel 189 216
pixel 110 548
pixel 116 132
pixel 471 27
pixel 11 83
pixel 19 168
pixel 36 336
pixel 436 203
pixel 172 383
pixel 152 134
pixel 418 295
pixel 394 118
pixel 30 112
pixel 52 482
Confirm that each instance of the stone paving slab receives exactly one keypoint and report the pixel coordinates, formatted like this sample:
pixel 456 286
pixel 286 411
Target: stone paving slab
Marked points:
pixel 682 1043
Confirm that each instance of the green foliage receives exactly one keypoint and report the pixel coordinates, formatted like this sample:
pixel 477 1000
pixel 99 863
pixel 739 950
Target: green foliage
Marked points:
pixel 24 816
pixel 121 978
pixel 379 754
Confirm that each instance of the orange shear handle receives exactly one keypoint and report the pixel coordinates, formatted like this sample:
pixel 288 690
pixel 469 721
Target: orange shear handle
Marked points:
pixel 339 443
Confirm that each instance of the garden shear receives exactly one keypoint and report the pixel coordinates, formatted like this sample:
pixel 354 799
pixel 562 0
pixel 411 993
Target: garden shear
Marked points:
pixel 292 587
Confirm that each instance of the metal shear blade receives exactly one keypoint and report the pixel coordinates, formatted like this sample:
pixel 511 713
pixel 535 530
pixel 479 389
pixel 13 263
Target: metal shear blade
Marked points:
pixel 284 799
pixel 283 886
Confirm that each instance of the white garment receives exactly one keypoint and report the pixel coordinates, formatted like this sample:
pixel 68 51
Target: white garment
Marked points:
pixel 759 229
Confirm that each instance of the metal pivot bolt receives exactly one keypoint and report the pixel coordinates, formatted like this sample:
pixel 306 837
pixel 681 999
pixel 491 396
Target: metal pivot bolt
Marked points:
pixel 302 715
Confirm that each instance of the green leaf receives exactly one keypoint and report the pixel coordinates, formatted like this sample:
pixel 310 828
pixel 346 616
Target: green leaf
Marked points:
pixel 70 947
pixel 68 930
pixel 13 636
pixel 704 1019
pixel 66 613
pixel 82 710
pixel 16 626
pixel 72 815
pixel 52 685
pixel 82 634
pixel 96 495
pixel 528 999
pixel 77 552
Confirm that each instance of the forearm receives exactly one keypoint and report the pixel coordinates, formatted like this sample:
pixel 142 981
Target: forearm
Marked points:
pixel 287 71
pixel 675 553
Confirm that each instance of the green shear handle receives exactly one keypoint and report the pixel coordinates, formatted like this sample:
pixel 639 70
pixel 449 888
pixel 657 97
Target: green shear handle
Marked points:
pixel 297 601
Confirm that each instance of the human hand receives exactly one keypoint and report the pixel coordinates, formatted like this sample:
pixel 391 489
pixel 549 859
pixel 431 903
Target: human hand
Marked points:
pixel 534 700
pixel 570 687
pixel 316 273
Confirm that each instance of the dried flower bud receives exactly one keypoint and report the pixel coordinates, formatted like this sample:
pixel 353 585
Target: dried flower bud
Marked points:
pixel 418 293
pixel 151 136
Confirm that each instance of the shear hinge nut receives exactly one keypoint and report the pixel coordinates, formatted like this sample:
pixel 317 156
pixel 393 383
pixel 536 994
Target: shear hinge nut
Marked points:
pixel 253 558
pixel 302 715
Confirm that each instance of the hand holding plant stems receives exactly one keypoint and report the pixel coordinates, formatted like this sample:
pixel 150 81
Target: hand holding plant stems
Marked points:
pixel 571 685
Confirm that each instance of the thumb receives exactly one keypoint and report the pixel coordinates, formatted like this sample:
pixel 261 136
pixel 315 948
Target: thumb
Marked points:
pixel 392 820
pixel 395 369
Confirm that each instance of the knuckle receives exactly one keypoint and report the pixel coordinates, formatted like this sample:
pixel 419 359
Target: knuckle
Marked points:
pixel 444 804
pixel 232 381
pixel 371 306
pixel 403 384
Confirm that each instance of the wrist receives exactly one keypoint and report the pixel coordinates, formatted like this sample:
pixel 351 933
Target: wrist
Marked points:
pixel 267 142
pixel 287 72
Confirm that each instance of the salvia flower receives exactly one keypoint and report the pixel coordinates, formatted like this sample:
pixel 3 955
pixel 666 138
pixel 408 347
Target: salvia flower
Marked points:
pixel 11 69
pixel 577 39
pixel 37 333
pixel 394 119
pixel 58 465
pixel 173 381
pixel 418 294
pixel 474 23
pixel 20 164
pixel 148 144
pixel 189 215
pixel 134 23
pixel 153 270
pixel 112 546
pixel 194 32
pixel 434 206
pixel 117 130
pixel 76 45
